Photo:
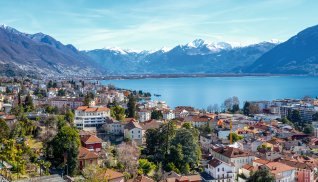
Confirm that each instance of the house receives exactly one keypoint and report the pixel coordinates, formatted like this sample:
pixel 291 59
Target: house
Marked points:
pixel 184 111
pixel 281 172
pixel 223 133
pixel 134 131
pixel 231 155
pixel 87 117
pixel 219 170
pixel 190 178
pixel 151 124
pixel 72 103
pixel 168 115
pixel 91 142
pixel 144 115
pixel 113 176
pixel 199 120
pixel 304 172
pixel 141 178
pixel 114 127
pixel 86 157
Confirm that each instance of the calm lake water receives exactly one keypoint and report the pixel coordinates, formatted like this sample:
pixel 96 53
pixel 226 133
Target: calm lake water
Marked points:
pixel 201 92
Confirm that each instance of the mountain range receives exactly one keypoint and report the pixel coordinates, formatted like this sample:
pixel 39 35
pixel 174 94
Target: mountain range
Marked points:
pixel 42 55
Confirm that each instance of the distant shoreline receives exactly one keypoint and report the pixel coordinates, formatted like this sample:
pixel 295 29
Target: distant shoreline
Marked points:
pixel 149 76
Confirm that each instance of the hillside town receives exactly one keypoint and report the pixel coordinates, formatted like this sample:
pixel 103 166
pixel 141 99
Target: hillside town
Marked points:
pixel 82 130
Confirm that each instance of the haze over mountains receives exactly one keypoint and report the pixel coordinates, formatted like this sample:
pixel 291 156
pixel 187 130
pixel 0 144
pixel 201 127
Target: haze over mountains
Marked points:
pixel 42 55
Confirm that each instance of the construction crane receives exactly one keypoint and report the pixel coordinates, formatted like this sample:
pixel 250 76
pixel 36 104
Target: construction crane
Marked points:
pixel 231 137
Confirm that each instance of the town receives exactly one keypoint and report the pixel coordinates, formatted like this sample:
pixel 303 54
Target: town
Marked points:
pixel 82 130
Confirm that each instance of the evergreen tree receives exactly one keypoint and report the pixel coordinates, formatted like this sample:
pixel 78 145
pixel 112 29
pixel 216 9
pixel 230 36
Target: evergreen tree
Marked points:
pixel 131 110
pixel 66 144
pixel 246 108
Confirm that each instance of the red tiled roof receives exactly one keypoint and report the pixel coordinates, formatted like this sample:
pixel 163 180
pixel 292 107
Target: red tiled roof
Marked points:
pixel 215 163
pixel 111 174
pixel 85 154
pixel 90 139
pixel 231 152
pixel 261 161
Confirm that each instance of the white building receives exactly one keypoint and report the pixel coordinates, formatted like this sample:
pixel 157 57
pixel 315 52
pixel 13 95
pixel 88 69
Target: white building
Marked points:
pixel 234 156
pixel 281 172
pixel 168 115
pixel 134 131
pixel 114 127
pixel 86 117
pixel 144 115
pixel 220 171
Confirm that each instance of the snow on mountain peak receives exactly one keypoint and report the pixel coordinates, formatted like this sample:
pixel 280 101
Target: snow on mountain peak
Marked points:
pixel 197 43
pixel 165 49
pixel 116 49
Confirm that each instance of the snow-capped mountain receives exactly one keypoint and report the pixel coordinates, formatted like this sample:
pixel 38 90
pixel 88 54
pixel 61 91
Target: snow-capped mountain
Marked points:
pixel 198 56
pixel 41 54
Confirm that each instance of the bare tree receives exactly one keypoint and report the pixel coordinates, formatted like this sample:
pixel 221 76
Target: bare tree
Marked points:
pixel 128 155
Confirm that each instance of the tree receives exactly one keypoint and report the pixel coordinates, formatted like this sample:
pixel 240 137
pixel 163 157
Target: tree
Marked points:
pixel 4 130
pixel 61 92
pixel 230 102
pixel 69 116
pixel 117 112
pixel 131 110
pixel 308 129
pixel 235 137
pixel 315 117
pixel 158 174
pixel 128 155
pixel 93 173
pixel 295 117
pixel 235 108
pixel 185 150
pixel 87 100
pixel 28 103
pixel 286 121
pixel 246 109
pixel 156 114
pixel 145 167
pixel 66 144
pixel 261 175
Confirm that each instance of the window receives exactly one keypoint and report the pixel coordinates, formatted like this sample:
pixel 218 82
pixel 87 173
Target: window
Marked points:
pixel 218 169
pixel 222 168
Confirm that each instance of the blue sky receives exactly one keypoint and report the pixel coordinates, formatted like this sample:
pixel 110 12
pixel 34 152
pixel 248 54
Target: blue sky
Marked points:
pixel 152 24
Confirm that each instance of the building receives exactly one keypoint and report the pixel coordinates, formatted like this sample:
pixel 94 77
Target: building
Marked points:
pixel 144 115
pixel 86 157
pixel 281 172
pixel 134 131
pixel 219 171
pixel 304 172
pixel 114 127
pixel 199 120
pixel 71 103
pixel 92 142
pixel 315 126
pixel 190 178
pixel 168 115
pixel 232 155
pixel 113 176
pixel 86 117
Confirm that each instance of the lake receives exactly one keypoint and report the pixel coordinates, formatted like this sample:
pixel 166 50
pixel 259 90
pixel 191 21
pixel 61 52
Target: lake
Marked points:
pixel 201 92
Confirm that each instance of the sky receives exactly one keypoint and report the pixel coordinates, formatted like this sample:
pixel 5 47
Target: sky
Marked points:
pixel 153 24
